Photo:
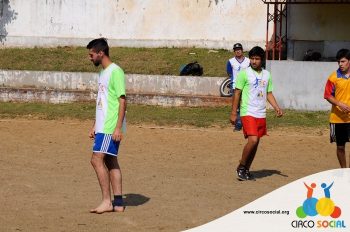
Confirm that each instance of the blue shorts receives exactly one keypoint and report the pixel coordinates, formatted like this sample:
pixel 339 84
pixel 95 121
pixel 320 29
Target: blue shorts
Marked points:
pixel 105 144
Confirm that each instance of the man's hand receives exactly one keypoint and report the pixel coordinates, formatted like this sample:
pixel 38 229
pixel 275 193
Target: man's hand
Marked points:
pixel 344 107
pixel 233 117
pixel 279 112
pixel 340 105
pixel 117 135
pixel 92 133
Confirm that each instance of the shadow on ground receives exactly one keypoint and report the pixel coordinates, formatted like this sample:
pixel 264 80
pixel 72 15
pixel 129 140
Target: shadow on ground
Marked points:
pixel 266 172
pixel 132 199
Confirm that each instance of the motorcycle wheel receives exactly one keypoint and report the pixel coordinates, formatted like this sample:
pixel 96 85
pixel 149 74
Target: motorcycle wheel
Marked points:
pixel 226 88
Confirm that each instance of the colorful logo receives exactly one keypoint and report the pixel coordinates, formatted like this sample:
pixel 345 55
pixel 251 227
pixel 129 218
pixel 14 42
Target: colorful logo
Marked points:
pixel 323 206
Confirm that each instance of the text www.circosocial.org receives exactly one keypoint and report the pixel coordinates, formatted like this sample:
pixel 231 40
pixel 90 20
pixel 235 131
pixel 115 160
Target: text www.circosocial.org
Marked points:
pixel 272 212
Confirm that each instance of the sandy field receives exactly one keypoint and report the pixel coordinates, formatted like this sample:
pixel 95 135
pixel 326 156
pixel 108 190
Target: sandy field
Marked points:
pixel 173 178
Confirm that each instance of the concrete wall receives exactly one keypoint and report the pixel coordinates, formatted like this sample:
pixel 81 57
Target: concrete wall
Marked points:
pixel 48 80
pixel 44 95
pixel 149 23
pixel 318 22
pixel 320 27
pixel 174 85
pixel 8 94
pixel 64 87
pixel 135 83
pixel 300 85
pixel 168 23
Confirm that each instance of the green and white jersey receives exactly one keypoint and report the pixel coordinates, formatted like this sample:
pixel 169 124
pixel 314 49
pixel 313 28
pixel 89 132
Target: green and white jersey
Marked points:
pixel 111 86
pixel 255 87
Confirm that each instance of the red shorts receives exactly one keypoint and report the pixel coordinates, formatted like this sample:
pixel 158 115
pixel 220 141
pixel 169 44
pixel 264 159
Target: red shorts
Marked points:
pixel 254 126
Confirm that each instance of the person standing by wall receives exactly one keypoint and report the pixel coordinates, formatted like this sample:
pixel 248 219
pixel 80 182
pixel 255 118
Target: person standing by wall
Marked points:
pixel 337 92
pixel 233 66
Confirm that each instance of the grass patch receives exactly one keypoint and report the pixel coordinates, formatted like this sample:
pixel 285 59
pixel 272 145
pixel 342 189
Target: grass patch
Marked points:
pixel 293 118
pixel 152 61
pixel 81 111
pixel 173 116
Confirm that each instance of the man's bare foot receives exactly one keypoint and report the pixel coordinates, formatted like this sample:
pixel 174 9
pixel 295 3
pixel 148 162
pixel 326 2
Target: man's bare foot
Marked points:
pixel 105 206
pixel 119 209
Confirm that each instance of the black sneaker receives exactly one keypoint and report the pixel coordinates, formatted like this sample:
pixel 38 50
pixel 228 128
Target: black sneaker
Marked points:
pixel 242 174
pixel 248 175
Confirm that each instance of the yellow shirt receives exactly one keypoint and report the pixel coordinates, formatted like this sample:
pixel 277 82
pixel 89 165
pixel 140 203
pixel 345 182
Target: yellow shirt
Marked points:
pixel 338 86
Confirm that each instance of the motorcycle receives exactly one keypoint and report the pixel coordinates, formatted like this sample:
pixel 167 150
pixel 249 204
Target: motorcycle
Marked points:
pixel 226 88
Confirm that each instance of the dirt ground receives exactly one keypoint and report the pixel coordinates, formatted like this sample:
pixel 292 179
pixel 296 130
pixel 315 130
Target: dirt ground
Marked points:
pixel 173 178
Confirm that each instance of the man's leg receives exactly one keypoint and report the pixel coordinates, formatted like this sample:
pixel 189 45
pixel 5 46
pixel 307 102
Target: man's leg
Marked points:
pixel 349 157
pixel 98 162
pixel 249 151
pixel 261 128
pixel 252 155
pixel 341 156
pixel 115 176
pixel 248 155
pixel 340 133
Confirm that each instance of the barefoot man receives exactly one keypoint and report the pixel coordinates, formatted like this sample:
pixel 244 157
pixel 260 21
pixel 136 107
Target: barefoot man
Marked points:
pixel 107 128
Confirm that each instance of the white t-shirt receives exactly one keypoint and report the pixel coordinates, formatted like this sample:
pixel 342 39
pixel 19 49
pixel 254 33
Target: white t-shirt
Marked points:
pixel 111 86
pixel 255 87
pixel 238 66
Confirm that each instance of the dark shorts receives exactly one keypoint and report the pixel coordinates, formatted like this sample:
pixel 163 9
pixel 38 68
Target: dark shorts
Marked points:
pixel 253 126
pixel 339 133
pixel 105 144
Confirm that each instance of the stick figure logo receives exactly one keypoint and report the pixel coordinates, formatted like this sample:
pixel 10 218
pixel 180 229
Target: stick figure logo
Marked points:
pixel 323 206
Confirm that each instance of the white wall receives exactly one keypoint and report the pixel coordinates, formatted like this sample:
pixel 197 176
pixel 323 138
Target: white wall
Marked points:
pixel 135 83
pixel 300 85
pixel 149 23
pixel 297 85
pixel 168 23
pixel 320 27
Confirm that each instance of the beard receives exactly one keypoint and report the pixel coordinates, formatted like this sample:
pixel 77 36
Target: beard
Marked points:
pixel 97 63
pixel 254 66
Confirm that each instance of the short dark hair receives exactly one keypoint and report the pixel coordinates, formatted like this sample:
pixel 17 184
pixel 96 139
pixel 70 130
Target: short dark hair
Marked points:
pixel 343 53
pixel 257 51
pixel 98 45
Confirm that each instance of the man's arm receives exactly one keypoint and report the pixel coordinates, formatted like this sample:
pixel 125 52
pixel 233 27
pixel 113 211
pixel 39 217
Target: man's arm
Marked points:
pixel 117 134
pixel 329 96
pixel 235 102
pixel 92 131
pixel 342 106
pixel 271 99
pixel 229 69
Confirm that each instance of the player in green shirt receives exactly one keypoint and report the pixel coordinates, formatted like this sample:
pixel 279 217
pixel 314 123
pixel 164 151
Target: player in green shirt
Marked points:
pixel 253 89
pixel 107 129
